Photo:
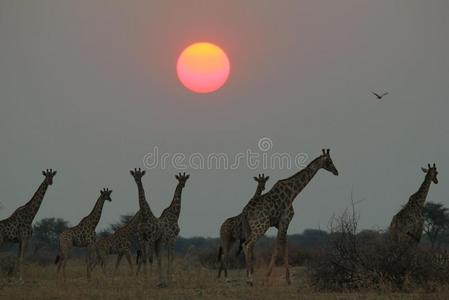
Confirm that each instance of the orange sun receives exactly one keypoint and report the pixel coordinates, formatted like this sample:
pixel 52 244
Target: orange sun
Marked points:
pixel 203 67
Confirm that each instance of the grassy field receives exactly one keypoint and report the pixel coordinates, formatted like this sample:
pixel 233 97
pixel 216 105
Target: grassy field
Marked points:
pixel 189 282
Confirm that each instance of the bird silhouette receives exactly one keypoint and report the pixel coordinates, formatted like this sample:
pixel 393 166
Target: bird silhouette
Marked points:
pixel 379 97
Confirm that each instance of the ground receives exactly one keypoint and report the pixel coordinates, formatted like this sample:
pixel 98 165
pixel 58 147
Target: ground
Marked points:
pixel 191 281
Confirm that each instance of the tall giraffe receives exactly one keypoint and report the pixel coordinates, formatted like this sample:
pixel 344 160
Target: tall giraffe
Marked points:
pixel 407 225
pixel 119 243
pixel 81 235
pixel 149 230
pixel 169 221
pixel 17 228
pixel 231 230
pixel 274 209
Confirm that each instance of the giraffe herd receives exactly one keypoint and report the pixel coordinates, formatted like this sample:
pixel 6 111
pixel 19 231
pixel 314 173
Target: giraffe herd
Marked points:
pixel 273 208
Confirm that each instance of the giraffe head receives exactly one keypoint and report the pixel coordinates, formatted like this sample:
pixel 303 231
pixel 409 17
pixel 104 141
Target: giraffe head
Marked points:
pixel 182 178
pixel 262 180
pixel 106 194
pixel 137 174
pixel 49 174
pixel 432 172
pixel 328 164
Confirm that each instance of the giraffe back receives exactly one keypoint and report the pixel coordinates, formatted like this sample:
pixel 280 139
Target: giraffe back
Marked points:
pixel 232 227
pixel 273 205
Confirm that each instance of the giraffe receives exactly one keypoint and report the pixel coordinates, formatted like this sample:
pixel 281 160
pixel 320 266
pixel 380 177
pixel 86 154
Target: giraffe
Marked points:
pixel 274 209
pixel 149 229
pixel 17 228
pixel 81 235
pixel 231 230
pixel 169 221
pixel 118 243
pixel 407 225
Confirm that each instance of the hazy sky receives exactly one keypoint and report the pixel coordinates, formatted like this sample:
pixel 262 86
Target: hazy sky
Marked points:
pixel 89 87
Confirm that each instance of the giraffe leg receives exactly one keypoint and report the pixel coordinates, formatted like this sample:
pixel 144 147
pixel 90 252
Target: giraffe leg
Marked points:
pixel 90 257
pixel 144 257
pixel 287 268
pixel 220 258
pixel 63 266
pixel 253 234
pixel 128 258
pixel 59 264
pixel 168 263
pixel 157 252
pixel 224 257
pixel 64 251
pixel 90 265
pixel 281 247
pixel 226 251
pixel 274 256
pixel 170 257
pixel 248 249
pixel 150 258
pixel 143 253
pixel 117 263
pixel 103 265
pixel 226 263
pixel 21 254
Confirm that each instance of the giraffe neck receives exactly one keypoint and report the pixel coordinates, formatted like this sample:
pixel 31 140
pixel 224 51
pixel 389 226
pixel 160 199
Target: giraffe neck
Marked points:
pixel 259 190
pixel 143 204
pixel 93 218
pixel 174 209
pixel 298 182
pixel 418 198
pixel 31 207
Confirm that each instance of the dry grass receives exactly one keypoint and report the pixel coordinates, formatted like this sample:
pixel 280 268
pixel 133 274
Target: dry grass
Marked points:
pixel 190 282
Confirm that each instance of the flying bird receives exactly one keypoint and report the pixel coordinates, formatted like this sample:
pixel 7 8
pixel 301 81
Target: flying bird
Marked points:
pixel 379 97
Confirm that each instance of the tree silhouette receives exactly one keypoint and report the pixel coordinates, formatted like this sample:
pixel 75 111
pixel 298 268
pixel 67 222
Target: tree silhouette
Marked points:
pixel 47 231
pixel 124 219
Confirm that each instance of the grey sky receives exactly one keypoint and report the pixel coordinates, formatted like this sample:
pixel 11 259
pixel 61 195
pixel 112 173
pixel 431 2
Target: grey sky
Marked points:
pixel 89 87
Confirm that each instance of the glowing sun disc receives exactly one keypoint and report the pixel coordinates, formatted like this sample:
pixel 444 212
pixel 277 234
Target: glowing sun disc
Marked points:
pixel 203 67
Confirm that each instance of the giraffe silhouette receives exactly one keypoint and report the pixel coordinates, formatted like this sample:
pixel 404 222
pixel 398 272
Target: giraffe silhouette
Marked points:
pixel 231 230
pixel 407 225
pixel 81 235
pixel 118 243
pixel 149 230
pixel 169 221
pixel 17 228
pixel 274 209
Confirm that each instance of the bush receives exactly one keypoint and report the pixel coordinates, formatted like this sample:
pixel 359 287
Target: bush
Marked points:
pixel 371 260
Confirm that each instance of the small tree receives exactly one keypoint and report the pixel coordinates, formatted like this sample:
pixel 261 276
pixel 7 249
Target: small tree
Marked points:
pixel 47 231
pixel 436 222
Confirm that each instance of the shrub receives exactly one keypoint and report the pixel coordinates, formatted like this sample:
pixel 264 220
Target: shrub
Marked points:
pixel 371 260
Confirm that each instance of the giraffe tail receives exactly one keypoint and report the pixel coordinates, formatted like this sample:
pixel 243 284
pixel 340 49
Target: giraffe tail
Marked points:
pixel 220 252
pixel 239 250
pixel 57 259
pixel 138 255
